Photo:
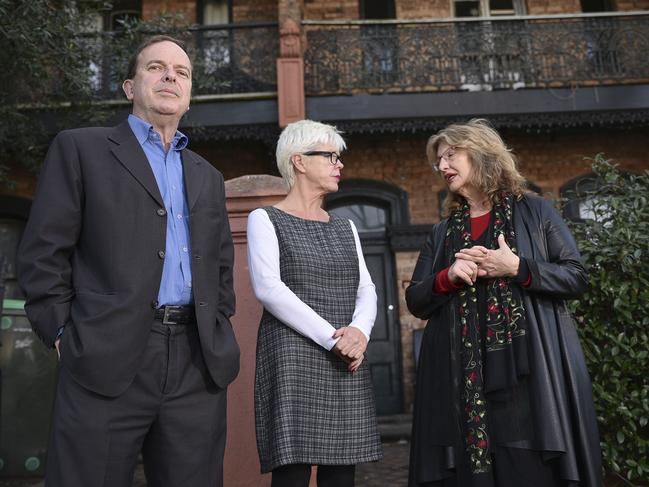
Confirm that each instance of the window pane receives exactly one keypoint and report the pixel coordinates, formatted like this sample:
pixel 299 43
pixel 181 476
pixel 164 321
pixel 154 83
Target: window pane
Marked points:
pixel 501 7
pixel 367 218
pixel 10 232
pixel 467 9
pixel 377 9
pixel 215 12
pixel 579 205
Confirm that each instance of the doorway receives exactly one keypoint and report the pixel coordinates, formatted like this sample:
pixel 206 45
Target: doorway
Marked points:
pixel 374 207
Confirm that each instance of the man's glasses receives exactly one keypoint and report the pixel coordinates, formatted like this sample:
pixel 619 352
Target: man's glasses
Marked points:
pixel 333 157
pixel 447 155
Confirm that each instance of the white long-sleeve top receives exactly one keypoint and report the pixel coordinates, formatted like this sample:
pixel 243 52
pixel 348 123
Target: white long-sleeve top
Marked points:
pixel 281 302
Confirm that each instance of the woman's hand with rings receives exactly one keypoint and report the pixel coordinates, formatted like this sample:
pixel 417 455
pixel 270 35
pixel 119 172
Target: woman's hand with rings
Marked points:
pixel 501 262
pixel 463 271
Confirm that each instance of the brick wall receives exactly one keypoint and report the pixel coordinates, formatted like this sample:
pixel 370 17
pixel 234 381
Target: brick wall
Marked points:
pixel 416 9
pixel 330 9
pixel 548 7
pixel 398 160
pixel 266 10
pixel 242 10
pixel 405 266
pixel 254 10
pixel 237 158
pixel 627 5
pixel 548 160
pixel 154 8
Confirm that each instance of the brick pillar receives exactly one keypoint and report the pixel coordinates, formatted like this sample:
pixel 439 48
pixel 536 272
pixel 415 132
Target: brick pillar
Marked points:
pixel 241 464
pixel 241 467
pixel 290 64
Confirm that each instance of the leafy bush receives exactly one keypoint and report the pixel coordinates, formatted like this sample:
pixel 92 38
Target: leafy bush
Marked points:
pixel 614 315
pixel 44 64
pixel 58 71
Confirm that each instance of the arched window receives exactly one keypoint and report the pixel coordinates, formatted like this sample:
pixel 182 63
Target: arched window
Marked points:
pixel 368 218
pixel 578 205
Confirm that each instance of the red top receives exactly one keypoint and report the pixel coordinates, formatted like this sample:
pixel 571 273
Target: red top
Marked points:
pixel 443 284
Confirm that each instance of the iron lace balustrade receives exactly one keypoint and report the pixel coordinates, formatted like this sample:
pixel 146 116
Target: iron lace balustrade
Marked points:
pixel 476 54
pixel 233 59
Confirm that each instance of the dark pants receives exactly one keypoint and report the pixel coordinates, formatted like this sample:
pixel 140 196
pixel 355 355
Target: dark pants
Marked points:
pixel 298 475
pixel 172 412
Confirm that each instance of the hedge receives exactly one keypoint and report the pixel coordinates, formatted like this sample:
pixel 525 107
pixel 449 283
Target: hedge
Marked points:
pixel 613 316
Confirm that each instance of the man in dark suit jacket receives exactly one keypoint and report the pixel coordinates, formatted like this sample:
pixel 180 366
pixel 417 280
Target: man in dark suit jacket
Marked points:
pixel 126 262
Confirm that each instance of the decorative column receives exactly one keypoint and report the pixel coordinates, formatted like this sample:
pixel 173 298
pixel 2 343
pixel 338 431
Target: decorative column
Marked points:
pixel 241 464
pixel 290 74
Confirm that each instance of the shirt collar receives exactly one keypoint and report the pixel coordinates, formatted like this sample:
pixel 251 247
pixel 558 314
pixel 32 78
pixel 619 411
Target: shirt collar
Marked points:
pixel 144 130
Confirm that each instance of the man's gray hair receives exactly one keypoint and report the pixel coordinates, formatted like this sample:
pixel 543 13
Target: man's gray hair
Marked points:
pixel 303 136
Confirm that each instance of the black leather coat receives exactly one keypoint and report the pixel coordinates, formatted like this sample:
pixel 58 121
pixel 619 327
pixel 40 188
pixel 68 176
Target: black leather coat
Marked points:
pixel 563 416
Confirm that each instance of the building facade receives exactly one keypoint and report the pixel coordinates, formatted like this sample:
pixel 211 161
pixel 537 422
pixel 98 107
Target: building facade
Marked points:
pixel 561 80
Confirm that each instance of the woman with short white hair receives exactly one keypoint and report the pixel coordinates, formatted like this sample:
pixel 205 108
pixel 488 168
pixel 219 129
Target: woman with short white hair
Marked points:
pixel 314 403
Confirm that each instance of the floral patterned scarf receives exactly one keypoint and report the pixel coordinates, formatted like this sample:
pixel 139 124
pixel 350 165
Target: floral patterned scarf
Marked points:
pixel 493 357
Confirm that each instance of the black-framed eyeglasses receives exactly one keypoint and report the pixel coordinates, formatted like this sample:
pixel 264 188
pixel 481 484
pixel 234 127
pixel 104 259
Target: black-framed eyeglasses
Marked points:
pixel 334 157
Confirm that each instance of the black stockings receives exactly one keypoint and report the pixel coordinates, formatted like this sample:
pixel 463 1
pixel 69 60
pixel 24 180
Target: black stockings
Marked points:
pixel 328 476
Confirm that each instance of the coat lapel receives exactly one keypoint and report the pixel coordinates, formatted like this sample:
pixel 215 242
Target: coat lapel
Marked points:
pixel 130 154
pixel 193 173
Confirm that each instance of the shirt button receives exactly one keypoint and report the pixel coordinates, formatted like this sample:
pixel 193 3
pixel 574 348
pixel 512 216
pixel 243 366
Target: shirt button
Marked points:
pixel 161 254
pixel 179 216
pixel 161 212
pixel 189 284
pixel 184 249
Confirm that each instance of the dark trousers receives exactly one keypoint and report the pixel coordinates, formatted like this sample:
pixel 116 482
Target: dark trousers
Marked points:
pixel 172 412
pixel 298 475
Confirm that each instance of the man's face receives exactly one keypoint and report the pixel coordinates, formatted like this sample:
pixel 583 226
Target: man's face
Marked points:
pixel 162 83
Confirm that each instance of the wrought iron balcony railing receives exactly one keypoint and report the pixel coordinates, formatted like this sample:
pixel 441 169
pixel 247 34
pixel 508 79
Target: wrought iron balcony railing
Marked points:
pixel 346 57
pixel 230 59
pixel 452 55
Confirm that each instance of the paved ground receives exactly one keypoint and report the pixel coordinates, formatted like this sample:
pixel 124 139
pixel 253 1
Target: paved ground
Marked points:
pixel 392 471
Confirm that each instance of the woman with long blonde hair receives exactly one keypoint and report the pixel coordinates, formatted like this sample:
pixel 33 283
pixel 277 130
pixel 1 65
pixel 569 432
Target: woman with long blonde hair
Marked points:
pixel 503 397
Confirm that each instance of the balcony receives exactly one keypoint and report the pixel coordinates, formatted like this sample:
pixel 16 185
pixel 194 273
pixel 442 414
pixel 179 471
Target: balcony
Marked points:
pixel 344 58
pixel 533 72
pixel 230 60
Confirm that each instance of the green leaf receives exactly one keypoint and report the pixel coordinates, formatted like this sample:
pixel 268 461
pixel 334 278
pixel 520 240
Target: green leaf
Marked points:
pixel 613 317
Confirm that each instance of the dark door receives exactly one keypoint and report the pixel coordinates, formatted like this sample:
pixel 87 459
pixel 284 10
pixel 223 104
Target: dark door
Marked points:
pixel 383 352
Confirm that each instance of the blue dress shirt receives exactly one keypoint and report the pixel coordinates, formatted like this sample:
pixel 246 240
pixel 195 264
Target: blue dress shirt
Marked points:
pixel 176 283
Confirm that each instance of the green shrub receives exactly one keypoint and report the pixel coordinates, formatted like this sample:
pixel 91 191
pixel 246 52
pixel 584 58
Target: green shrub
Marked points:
pixel 613 316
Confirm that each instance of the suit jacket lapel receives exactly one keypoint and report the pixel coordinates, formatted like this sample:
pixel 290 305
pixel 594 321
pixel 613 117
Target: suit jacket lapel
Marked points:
pixel 130 154
pixel 193 173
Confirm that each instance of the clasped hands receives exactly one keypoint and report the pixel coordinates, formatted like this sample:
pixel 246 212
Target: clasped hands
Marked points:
pixel 479 261
pixel 350 346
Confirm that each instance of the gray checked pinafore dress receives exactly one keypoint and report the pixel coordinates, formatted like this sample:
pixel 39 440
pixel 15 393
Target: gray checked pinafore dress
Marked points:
pixel 308 407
